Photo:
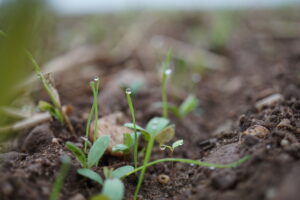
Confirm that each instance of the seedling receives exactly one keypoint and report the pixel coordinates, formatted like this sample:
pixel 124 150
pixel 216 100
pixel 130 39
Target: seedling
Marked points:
pixel 173 147
pixel 135 154
pixel 55 109
pixel 187 106
pixel 128 143
pixel 166 72
pixel 113 189
pixel 94 84
pixel 158 129
pixel 95 153
pixel 66 163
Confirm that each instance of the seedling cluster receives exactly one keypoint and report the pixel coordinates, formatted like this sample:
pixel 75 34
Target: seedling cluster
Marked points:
pixel 158 129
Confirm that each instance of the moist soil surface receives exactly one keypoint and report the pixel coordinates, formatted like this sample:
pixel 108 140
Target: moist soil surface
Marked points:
pixel 250 107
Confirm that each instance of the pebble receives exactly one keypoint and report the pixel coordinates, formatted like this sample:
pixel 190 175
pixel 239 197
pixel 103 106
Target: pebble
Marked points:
pixel 163 179
pixel 111 125
pixel 257 130
pixel 285 124
pixel 78 197
pixel 268 101
pixel 284 143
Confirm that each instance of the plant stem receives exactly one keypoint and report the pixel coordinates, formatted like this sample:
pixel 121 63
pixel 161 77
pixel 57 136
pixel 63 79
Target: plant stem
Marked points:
pixel 59 180
pixel 144 167
pixel 164 95
pixel 95 89
pixel 88 124
pixel 189 161
pixel 135 154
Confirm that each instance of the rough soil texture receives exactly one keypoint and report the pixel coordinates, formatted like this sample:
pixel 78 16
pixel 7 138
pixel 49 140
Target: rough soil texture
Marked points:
pixel 262 62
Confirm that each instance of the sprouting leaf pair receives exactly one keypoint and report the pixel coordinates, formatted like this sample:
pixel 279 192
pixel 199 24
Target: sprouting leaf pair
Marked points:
pixel 157 128
pixel 128 143
pixel 96 152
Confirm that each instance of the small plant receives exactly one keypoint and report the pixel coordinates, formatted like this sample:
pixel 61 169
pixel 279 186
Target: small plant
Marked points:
pixel 186 107
pixel 94 84
pixel 135 154
pixel 173 147
pixel 166 72
pixel 95 153
pixel 59 180
pixel 55 109
pixel 128 143
pixel 157 129
pixel 113 189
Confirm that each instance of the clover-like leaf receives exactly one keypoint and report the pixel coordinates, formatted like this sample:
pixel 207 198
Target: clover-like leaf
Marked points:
pixel 166 135
pixel 97 150
pixel 91 175
pixel 77 152
pixel 177 144
pixel 122 171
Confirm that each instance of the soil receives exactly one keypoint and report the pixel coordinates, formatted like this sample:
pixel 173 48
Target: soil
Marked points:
pixel 261 62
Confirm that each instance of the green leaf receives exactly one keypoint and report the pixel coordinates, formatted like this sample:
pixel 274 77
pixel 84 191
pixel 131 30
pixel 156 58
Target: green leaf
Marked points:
pixel 177 144
pixel 97 150
pixel 189 105
pixel 127 140
pixel 131 126
pixel 166 135
pixel 100 197
pixel 122 171
pixel 120 147
pixel 77 152
pixel 132 136
pixel 91 175
pixel 114 189
pixel 156 125
pixel 45 106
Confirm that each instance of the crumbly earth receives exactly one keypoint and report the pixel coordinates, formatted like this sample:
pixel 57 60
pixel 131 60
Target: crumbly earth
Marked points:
pixel 262 62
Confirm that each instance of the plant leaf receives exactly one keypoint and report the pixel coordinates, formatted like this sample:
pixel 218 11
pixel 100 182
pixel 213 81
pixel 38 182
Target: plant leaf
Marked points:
pixel 120 147
pixel 91 175
pixel 166 135
pixel 114 189
pixel 189 105
pixel 77 152
pixel 122 171
pixel 177 144
pixel 127 140
pixel 131 126
pixel 97 150
pixel 156 125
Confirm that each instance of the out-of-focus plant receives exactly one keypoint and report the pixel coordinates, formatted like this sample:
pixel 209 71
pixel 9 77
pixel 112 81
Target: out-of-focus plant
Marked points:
pixel 166 72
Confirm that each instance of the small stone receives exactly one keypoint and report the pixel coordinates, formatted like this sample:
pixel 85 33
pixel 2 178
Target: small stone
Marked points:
pixel 223 181
pixel 284 143
pixel 55 140
pixel 111 125
pixel 268 101
pixel 285 124
pixel 163 179
pixel 257 130
pixel 78 197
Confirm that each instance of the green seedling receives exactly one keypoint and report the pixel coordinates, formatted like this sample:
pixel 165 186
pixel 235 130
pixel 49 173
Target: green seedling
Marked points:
pixel 59 180
pixel 135 154
pixel 113 189
pixel 189 105
pixel 157 129
pixel 94 84
pixel 166 72
pixel 128 143
pixel 55 109
pixel 173 147
pixel 95 153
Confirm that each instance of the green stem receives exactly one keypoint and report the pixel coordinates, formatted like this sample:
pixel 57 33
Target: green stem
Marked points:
pixel 164 96
pixel 145 165
pixel 88 124
pixel 135 154
pixel 189 161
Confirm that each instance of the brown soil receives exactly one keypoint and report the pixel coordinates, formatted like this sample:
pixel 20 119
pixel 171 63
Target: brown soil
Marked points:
pixel 261 63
